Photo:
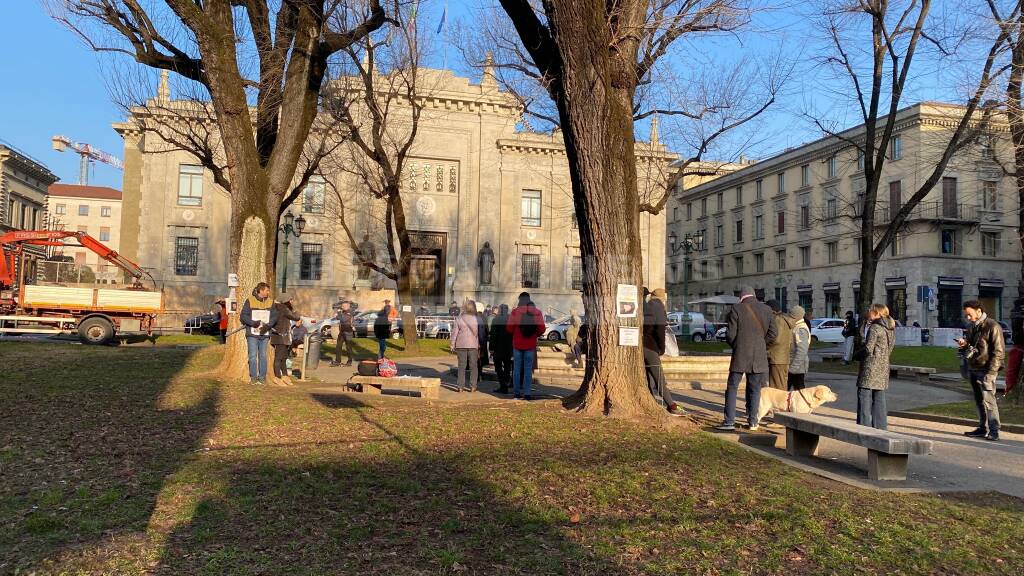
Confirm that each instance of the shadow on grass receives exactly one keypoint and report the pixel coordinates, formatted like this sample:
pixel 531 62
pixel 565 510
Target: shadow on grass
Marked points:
pixel 397 509
pixel 87 437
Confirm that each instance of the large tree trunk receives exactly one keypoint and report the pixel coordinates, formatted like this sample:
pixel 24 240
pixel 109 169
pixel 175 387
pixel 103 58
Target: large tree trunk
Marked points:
pixel 595 109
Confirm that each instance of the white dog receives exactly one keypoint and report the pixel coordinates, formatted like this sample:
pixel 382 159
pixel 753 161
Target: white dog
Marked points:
pixel 799 401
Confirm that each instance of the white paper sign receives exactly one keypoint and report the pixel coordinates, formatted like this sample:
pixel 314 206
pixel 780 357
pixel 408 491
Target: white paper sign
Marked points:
pixel 629 336
pixel 406 308
pixel 232 280
pixel 626 301
pixel 259 316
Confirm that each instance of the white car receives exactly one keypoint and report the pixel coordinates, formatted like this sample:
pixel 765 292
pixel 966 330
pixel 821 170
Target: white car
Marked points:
pixel 827 330
pixel 700 328
pixel 558 328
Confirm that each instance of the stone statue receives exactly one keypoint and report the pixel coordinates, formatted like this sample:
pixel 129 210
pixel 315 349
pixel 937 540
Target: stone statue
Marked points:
pixel 367 252
pixel 485 260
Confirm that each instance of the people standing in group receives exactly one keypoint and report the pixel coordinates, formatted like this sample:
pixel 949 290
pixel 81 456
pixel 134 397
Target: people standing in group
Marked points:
pixel 779 350
pixel 257 315
pixel 572 333
pixel 799 362
pixel 749 332
pixel 655 324
pixel 222 320
pixel 873 376
pixel 984 349
pixel 465 343
pixel 346 332
pixel 525 324
pixel 281 338
pixel 382 330
pixel 501 349
pixel 849 334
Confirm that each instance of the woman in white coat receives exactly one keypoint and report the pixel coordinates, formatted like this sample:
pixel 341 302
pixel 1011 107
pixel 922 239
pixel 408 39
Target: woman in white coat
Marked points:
pixel 798 361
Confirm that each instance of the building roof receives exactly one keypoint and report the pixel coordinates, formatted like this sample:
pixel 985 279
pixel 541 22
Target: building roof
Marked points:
pixel 80 191
pixel 36 168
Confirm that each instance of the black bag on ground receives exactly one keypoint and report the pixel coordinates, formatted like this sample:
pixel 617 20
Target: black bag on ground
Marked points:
pixel 367 368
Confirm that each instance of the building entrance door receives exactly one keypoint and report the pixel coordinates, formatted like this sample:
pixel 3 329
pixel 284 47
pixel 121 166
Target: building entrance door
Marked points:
pixel 896 300
pixel 427 269
pixel 950 302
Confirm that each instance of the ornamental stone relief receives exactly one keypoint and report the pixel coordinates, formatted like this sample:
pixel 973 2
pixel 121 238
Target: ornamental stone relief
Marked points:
pixel 431 176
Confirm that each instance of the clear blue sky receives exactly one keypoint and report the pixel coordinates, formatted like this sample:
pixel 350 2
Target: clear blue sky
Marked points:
pixel 54 84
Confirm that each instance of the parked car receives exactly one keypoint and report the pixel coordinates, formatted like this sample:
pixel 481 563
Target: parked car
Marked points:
pixel 827 330
pixel 558 328
pixel 439 326
pixel 700 328
pixel 205 323
pixel 362 325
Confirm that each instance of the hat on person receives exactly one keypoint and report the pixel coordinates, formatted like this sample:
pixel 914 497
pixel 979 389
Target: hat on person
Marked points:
pixel 746 291
pixel 658 293
pixel 797 312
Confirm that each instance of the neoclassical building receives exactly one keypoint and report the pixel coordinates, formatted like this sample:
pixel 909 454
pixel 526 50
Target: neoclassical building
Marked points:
pixel 477 189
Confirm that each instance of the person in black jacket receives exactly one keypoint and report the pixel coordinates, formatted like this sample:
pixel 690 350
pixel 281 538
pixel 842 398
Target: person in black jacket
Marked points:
pixel 345 335
pixel 281 338
pixel 655 323
pixel 501 349
pixel 484 337
pixel 382 330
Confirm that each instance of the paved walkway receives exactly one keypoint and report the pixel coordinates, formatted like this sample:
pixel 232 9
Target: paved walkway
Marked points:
pixel 957 463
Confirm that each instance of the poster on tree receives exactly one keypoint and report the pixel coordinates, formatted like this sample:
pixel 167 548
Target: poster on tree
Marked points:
pixel 626 301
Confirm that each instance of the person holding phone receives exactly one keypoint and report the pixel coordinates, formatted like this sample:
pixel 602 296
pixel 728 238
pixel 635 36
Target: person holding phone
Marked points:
pixel 983 349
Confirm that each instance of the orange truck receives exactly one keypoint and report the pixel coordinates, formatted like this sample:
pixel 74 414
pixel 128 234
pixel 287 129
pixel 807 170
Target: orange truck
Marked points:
pixel 96 314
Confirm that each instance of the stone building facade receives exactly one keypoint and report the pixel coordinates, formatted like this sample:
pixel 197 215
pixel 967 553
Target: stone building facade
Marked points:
pixel 23 186
pixel 785 226
pixel 95 210
pixel 476 188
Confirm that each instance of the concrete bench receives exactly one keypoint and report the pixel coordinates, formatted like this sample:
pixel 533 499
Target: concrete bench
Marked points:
pixel 919 372
pixel 831 356
pixel 888 452
pixel 427 387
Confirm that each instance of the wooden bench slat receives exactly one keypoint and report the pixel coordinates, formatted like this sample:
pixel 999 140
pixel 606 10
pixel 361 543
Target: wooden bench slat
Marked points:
pixel 853 433
pixel 918 369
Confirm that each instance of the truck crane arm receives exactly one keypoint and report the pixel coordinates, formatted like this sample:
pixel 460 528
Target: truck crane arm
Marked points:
pixel 53 238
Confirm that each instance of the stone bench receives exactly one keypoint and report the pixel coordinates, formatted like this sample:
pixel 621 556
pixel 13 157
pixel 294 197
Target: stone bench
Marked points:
pixel 919 372
pixel 831 356
pixel 427 387
pixel 888 452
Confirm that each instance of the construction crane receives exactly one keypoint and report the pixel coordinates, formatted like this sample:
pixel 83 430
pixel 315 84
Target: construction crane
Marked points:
pixel 87 154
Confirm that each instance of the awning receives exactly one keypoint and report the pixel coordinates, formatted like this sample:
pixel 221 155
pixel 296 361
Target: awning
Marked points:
pixel 896 282
pixel 955 281
pixel 991 282
pixel 830 287
pixel 805 288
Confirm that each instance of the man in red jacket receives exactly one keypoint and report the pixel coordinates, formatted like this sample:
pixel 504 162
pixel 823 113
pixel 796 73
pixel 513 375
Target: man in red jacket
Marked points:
pixel 526 324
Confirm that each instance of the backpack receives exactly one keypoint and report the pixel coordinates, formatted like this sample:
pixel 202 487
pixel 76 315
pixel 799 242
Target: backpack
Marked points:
pixel 528 324
pixel 387 368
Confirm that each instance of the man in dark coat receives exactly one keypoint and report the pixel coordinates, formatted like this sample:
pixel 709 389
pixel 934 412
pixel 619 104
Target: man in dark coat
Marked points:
pixel 750 330
pixel 345 334
pixel 382 330
pixel 501 349
pixel 779 351
pixel 655 323
pixel 984 347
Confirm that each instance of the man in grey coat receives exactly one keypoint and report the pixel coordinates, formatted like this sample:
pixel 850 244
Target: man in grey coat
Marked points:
pixel 750 331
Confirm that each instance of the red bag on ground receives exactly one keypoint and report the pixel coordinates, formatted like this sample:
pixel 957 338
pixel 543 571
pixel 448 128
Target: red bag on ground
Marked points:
pixel 387 368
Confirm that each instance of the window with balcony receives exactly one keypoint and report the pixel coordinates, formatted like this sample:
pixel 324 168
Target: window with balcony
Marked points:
pixel 530 208
pixel 949 241
pixel 990 244
pixel 759 227
pixel 759 262
pixel 780 259
pixel 832 249
pixel 805 175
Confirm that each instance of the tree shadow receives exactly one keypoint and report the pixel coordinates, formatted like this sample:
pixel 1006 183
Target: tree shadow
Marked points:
pixel 87 438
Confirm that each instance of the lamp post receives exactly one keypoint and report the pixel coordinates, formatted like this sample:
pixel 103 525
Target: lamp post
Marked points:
pixel 288 229
pixel 689 243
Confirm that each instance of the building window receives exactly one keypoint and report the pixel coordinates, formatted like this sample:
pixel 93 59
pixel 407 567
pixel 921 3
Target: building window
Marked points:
pixel 758 227
pixel 61 209
pixel 689 210
pixel 739 195
pixel 739 231
pixel 990 243
pixel 896 147
pixel 805 256
pixel 105 211
pixel 104 234
pixel 831 210
pixel 805 175
pixel 83 210
pixel 780 259
pixel 719 236
pixel 759 262
pixel 988 151
pixel 675 273
pixel 950 241
pixel 675 214
pixel 759 190
pixel 833 166
pixel 190 185
pixel 313 196
pixel 531 208
pixel 704 270
pixel 311 264
pixel 704 206
pixel 702 240
pixel 860 160
pixel 577 272
pixel 186 256
pixel 805 217
pixel 720 201
pixel 531 270
pixel 738 262
pixel 719 268
pixel 83 229
pixel 780 222
pixel 896 246
pixel 576 222
pixel 989 195
pixel 782 182
pixel 833 252
pixel 895 198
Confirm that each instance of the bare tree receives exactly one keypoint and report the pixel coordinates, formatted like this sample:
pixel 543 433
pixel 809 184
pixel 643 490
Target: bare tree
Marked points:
pixel 889 35
pixel 273 53
pixel 592 59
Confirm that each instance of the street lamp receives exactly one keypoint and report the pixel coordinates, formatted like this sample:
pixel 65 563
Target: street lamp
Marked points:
pixel 288 229
pixel 689 243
